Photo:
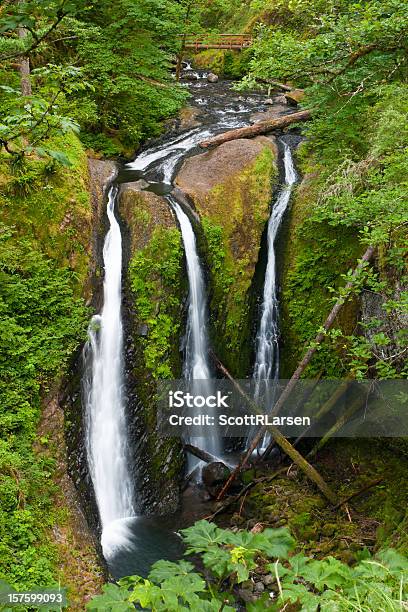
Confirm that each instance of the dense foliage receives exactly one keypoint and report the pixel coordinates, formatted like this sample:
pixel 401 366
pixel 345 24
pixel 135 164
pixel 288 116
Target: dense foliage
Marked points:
pixel 120 57
pixel 351 59
pixel 230 559
pixel 41 324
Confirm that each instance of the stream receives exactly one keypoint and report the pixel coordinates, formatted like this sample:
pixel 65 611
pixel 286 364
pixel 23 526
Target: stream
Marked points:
pixel 131 542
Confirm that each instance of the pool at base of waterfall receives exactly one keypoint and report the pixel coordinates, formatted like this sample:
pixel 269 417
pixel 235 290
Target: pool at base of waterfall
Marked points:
pixel 132 545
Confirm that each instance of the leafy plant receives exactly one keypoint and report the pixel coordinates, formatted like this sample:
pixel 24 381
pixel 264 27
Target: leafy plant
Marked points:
pixel 230 558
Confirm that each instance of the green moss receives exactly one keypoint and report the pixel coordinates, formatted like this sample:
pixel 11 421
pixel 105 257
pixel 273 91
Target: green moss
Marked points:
pixel 44 238
pixel 230 64
pixel 315 255
pixel 156 283
pixel 211 59
pixel 233 222
pixel 50 206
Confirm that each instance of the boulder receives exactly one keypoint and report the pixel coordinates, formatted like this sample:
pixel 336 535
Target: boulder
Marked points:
pixel 188 117
pixel 214 476
pixel 277 110
pixel 280 99
pixel 151 298
pixel 212 78
pixel 231 188
pixel 295 96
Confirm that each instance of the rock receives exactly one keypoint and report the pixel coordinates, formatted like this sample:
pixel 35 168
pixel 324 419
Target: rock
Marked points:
pixel 273 113
pixel 269 101
pixel 280 99
pixel 259 587
pixel 214 475
pixel 295 96
pixel 187 117
pixel 212 78
pixel 268 579
pixel 248 585
pixel 142 330
pixel 247 596
pixel 143 211
pixel 150 228
pixel 231 189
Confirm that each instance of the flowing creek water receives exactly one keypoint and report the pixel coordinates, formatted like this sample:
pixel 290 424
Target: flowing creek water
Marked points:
pixel 131 542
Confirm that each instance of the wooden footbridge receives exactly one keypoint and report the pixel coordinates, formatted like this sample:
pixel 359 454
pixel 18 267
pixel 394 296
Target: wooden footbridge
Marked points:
pixel 217 41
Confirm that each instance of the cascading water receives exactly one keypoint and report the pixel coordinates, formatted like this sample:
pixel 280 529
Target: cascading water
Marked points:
pixel 267 341
pixel 106 436
pixel 196 366
pixel 132 543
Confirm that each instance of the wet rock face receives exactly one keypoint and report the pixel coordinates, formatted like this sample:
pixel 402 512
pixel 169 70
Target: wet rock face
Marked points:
pixel 151 316
pixel 231 188
pixel 278 110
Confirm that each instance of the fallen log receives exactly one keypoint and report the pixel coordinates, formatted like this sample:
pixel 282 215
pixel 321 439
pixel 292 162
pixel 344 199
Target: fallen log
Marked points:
pixel 263 127
pixel 200 454
pixel 327 406
pixel 304 362
pixel 280 439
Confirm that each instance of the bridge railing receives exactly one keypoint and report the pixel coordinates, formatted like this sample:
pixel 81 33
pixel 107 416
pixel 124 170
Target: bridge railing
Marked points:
pixel 217 41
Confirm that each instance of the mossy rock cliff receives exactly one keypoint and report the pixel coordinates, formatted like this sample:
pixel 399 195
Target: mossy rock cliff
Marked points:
pixel 155 295
pixel 314 257
pixel 231 188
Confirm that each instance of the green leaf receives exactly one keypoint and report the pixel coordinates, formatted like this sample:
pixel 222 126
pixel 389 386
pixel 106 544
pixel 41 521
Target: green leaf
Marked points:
pixel 330 573
pixel 162 570
pixel 113 599
pixel 202 535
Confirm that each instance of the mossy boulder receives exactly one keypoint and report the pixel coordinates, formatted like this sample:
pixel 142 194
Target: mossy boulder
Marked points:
pixel 154 298
pixel 231 188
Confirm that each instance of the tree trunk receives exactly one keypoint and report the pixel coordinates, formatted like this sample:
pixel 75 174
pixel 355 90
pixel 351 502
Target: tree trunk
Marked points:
pixel 263 127
pixel 201 454
pixel 24 66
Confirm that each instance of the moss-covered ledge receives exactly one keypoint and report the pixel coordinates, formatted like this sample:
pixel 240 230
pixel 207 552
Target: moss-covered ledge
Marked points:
pixel 231 188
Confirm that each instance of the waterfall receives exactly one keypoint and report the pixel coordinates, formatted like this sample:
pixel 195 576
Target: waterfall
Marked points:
pixel 196 366
pixel 106 437
pixel 267 341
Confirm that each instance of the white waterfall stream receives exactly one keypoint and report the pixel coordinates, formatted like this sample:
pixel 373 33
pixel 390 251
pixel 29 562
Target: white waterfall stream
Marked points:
pixel 106 435
pixel 267 341
pixel 196 367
